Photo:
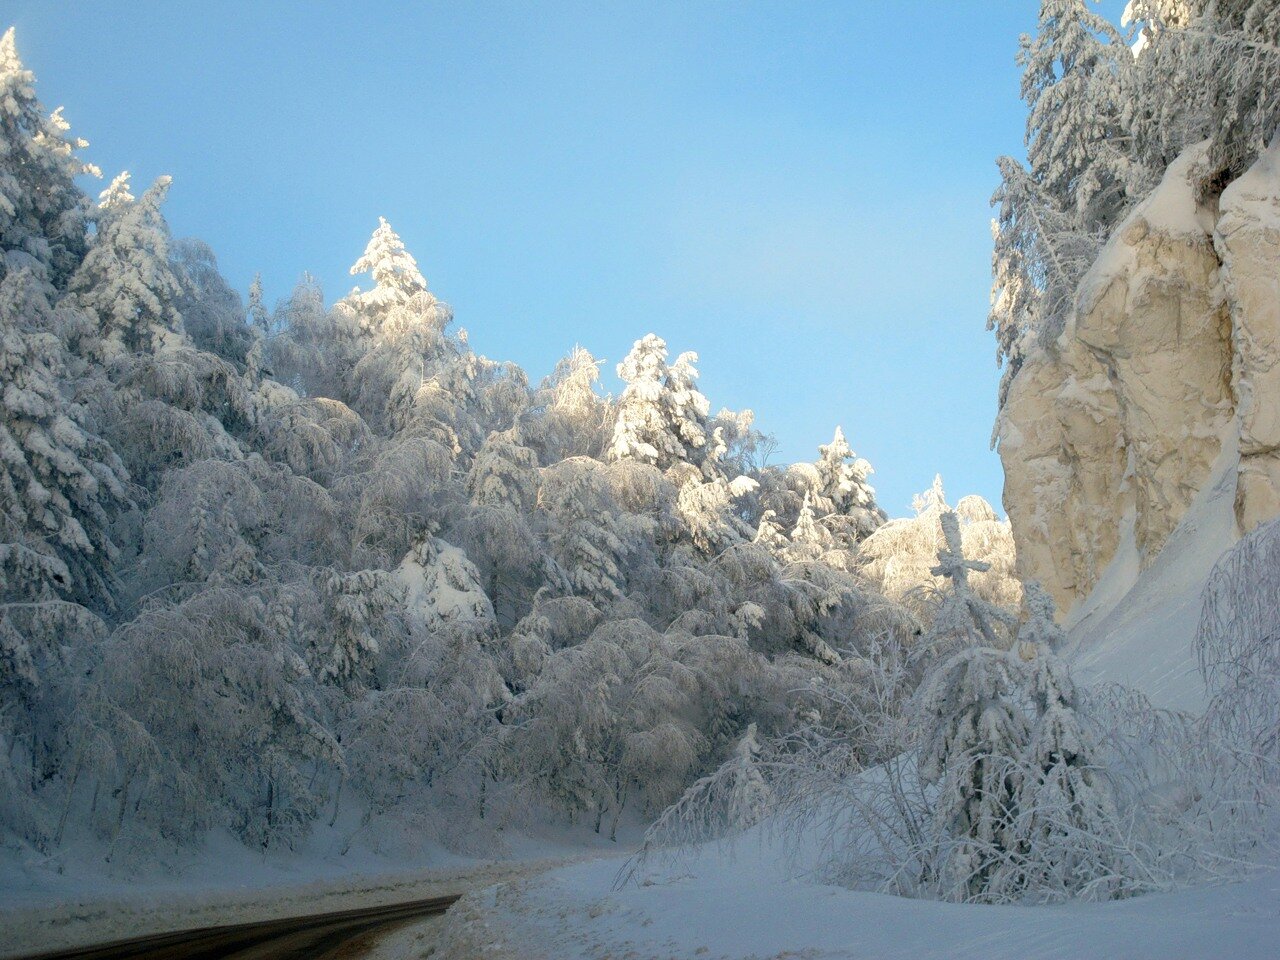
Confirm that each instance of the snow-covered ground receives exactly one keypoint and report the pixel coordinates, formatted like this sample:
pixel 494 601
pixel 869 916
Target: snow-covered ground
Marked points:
pixel 751 900
pixel 743 906
pixel 41 909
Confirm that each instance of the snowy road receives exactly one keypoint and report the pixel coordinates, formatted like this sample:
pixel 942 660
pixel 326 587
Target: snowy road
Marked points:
pixel 327 936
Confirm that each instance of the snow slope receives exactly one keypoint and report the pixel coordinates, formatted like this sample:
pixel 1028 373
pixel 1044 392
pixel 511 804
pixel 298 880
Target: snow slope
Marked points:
pixel 1138 627
pixel 742 905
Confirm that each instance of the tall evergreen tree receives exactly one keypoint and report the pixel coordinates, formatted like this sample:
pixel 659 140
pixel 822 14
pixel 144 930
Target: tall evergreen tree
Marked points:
pixel 59 484
pixel 1073 72
pixel 842 483
pixel 126 280
pixel 402 344
pixel 42 212
pixel 974 737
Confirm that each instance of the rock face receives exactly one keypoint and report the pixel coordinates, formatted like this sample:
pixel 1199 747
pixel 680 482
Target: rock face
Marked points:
pixel 1171 357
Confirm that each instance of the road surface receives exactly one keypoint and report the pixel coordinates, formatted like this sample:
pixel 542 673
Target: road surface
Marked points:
pixel 341 935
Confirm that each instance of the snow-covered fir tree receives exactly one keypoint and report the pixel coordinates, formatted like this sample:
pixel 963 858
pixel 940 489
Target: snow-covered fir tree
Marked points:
pixel 973 739
pixel 643 430
pixel 42 212
pixel 1040 628
pixel 126 280
pixel 60 484
pixel 403 329
pixel 809 538
pixel 258 315
pixel 662 417
pixel 395 273
pixel 843 487
pixel 1074 73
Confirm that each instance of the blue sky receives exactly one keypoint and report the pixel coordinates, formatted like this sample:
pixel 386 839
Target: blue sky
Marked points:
pixel 796 190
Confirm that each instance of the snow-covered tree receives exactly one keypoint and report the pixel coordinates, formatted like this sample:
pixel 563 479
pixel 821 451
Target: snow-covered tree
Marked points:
pixel 809 538
pixel 42 212
pixel 973 739
pixel 212 313
pixel 258 315
pixel 504 473
pixel 620 719
pixel 1040 628
pixel 1082 173
pixel 60 485
pixel 360 608
pixel 585 536
pixel 1041 252
pixel 1206 70
pixel 643 430
pixel 689 413
pixel 443 587
pixel 576 420
pixel 769 533
pixel 708 511
pixel 395 273
pixel 718 806
pixel 662 417
pixel 403 326
pixel 1072 82
pixel 126 280
pixel 1239 656
pixel 842 481
pixel 399 491
pixel 316 348
pixel 1069 833
pixel 201 713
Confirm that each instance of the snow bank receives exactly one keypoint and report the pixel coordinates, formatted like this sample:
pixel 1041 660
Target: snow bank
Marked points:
pixel 1138 628
pixel 742 906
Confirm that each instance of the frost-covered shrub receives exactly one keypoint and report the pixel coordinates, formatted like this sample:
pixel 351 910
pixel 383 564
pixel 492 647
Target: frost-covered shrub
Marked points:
pixel 1238 648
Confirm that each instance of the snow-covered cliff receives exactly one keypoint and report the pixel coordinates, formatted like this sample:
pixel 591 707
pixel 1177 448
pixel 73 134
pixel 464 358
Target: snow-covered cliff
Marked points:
pixel 1170 361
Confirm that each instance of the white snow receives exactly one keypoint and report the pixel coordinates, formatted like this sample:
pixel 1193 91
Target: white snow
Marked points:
pixel 224 883
pixel 446 588
pixel 743 904
pixel 760 898
pixel 1137 628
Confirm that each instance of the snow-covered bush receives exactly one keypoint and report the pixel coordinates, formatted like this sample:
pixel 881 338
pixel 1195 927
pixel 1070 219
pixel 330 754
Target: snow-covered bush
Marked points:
pixel 1238 647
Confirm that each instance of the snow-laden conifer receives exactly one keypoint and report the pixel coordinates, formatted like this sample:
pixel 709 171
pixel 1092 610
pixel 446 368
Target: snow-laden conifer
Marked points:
pixel 842 479
pixel 663 418
pixel 395 273
pixel 126 280
pixel 973 738
pixel 1074 70
pixel 60 485
pixel 258 315
pixel 1072 843
pixel 42 211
